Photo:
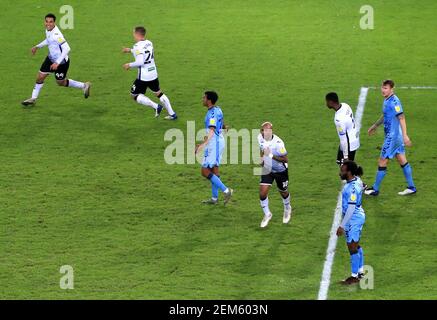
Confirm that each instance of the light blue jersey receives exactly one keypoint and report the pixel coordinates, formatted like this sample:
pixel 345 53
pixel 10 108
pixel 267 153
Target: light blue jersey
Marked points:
pixel 353 194
pixel 393 142
pixel 216 145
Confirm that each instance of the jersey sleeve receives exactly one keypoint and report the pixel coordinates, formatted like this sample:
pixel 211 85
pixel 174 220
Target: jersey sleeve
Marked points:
pixel 341 127
pixel 59 38
pixel 397 106
pixel 212 120
pixel 280 149
pixel 352 197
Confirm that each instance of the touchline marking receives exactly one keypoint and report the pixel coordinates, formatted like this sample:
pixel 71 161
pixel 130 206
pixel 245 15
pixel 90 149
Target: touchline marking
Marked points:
pixel 412 87
pixel 332 244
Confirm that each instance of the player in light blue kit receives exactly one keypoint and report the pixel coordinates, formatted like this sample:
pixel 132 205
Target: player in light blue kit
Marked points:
pixel 353 218
pixel 214 145
pixel 396 138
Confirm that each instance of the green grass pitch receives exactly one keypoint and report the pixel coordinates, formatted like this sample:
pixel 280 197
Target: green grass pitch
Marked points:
pixel 84 182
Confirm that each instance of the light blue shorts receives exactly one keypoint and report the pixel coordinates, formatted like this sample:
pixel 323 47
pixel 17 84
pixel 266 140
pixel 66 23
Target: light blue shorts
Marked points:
pixel 392 147
pixel 213 152
pixel 354 227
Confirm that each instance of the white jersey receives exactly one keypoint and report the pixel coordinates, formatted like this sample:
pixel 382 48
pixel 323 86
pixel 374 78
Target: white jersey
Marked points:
pixel 145 57
pixel 346 129
pixel 277 148
pixel 55 40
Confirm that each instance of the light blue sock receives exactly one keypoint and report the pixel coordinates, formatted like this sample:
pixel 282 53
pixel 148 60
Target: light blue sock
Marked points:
pixel 214 190
pixel 217 182
pixel 355 263
pixel 361 252
pixel 408 173
pixel 382 171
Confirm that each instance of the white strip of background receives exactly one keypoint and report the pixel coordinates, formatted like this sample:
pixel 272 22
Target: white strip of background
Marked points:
pixel 332 244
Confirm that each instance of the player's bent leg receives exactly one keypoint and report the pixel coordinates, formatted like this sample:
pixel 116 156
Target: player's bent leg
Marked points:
pixel 84 86
pixel 62 83
pixel 145 101
pixel 166 102
pixel 264 202
pixel 408 173
pixel 39 83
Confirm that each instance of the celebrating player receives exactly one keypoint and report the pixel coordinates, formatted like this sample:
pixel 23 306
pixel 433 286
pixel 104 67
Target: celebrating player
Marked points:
pixel 56 62
pixel 147 74
pixel 214 145
pixel 396 138
pixel 345 123
pixel 353 218
pixel 275 168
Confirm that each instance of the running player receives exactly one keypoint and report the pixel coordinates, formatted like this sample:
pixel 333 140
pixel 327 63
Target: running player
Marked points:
pixel 56 62
pixel 147 74
pixel 353 218
pixel 275 168
pixel 396 138
pixel 214 145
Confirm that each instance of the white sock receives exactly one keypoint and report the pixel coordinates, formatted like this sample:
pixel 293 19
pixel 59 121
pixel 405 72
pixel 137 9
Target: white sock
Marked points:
pixel 226 191
pixel 76 84
pixel 36 90
pixel 142 99
pixel 286 202
pixel 361 270
pixel 265 205
pixel 166 102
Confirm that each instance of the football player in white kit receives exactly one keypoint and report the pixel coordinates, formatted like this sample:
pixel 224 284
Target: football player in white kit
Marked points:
pixel 346 129
pixel 274 161
pixel 56 62
pixel 147 74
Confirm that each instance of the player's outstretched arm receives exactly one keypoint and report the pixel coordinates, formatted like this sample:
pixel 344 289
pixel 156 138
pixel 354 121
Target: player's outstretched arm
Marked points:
pixel 38 46
pixel 403 124
pixel 139 61
pixel 372 129
pixel 126 50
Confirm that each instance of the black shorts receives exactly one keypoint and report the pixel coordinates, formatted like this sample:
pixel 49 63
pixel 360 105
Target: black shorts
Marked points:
pixel 351 155
pixel 60 73
pixel 140 87
pixel 281 179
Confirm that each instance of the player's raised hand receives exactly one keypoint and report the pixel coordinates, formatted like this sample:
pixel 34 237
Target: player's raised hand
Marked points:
pixel 407 141
pixel 372 130
pixel 197 148
pixel 126 66
pixel 126 50
pixel 33 50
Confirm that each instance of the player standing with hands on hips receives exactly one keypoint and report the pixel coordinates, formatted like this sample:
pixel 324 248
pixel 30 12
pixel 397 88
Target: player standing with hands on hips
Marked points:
pixel 56 62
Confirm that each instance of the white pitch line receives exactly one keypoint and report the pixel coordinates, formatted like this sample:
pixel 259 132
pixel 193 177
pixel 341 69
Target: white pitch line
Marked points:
pixel 332 244
pixel 412 87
